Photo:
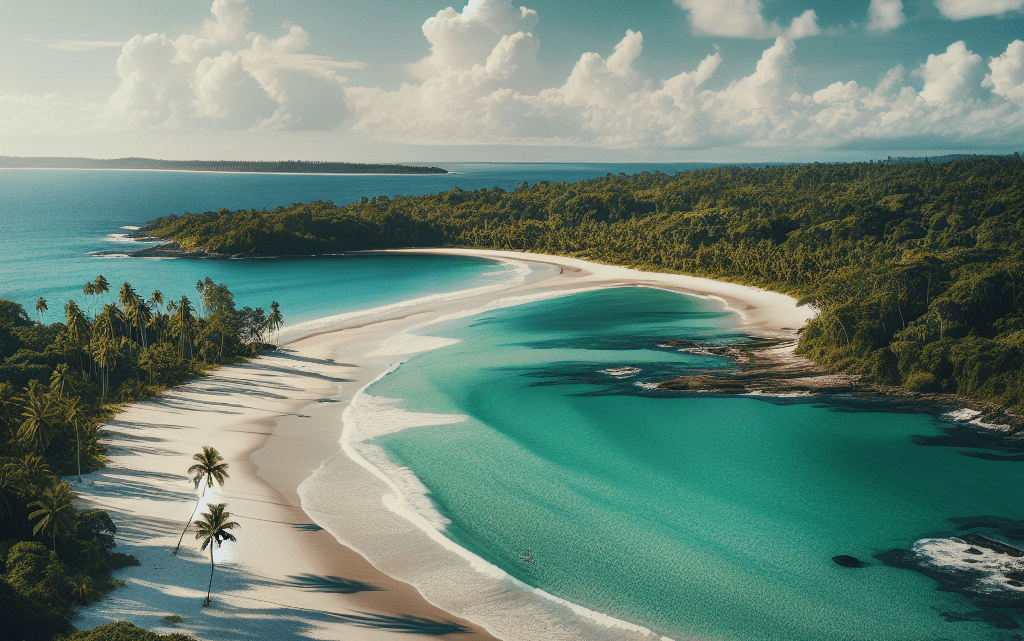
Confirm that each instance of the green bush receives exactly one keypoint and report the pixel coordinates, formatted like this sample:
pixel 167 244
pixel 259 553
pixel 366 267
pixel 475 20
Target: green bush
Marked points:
pixel 121 631
pixel 922 382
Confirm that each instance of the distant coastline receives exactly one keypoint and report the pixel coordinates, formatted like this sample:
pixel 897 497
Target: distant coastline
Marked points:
pixel 234 166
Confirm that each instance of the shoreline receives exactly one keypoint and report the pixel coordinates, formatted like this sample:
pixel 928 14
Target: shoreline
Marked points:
pixel 277 421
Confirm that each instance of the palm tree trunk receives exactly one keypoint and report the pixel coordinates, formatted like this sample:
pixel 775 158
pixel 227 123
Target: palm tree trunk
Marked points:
pixel 175 552
pixel 78 441
pixel 210 588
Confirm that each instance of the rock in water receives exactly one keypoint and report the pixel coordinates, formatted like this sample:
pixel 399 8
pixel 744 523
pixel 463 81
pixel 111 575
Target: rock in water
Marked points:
pixel 848 561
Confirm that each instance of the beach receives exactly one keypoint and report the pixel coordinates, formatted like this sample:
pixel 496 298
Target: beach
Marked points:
pixel 315 564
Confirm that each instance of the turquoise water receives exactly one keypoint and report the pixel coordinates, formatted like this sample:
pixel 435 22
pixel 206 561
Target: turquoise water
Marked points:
pixel 50 221
pixel 686 514
pixel 704 515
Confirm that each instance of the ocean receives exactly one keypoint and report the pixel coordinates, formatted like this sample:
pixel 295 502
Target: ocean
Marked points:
pixel 695 516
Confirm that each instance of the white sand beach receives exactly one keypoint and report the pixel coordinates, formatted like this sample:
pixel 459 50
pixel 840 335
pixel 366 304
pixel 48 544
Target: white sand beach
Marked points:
pixel 328 547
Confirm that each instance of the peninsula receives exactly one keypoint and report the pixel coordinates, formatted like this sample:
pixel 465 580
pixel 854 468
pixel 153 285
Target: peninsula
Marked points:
pixel 915 267
pixel 238 166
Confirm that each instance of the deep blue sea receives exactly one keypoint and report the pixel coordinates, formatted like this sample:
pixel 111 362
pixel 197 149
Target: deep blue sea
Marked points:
pixel 709 516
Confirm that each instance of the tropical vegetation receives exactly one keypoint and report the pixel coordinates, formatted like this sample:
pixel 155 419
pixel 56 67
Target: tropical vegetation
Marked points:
pixel 916 269
pixel 58 383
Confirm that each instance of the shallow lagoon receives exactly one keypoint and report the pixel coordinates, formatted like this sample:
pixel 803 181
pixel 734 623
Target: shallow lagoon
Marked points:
pixel 691 515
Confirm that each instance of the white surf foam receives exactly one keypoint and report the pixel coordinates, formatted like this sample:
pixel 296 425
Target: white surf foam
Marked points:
pixel 368 417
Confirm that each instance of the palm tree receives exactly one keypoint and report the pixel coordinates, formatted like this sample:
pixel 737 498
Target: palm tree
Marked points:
pixel 157 299
pixel 74 413
pixel 78 326
pixel 55 511
pixel 89 290
pixel 213 528
pixel 184 325
pixel 275 320
pixel 60 380
pixel 104 352
pixel 41 307
pixel 40 415
pixel 102 285
pixel 208 468
pixel 6 509
pixel 31 467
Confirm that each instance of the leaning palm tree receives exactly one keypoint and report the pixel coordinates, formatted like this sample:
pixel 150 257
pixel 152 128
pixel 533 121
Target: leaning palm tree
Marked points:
pixel 55 512
pixel 213 528
pixel 208 468
pixel 41 307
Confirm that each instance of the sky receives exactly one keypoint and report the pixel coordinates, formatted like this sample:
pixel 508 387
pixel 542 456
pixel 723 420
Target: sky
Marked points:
pixel 493 80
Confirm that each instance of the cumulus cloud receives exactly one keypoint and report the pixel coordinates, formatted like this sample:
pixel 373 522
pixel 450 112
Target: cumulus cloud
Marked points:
pixel 964 9
pixel 606 102
pixel 950 76
pixel 462 40
pixel 221 77
pixel 227 78
pixel 744 19
pixel 83 45
pixel 885 15
pixel 478 86
pixel 1007 73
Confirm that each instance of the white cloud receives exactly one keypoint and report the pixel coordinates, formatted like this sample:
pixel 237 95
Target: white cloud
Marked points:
pixel 885 15
pixel 744 19
pixel 461 41
pixel 1007 77
pixel 964 9
pixel 227 78
pixel 950 76
pixel 605 102
pixel 478 86
pixel 83 45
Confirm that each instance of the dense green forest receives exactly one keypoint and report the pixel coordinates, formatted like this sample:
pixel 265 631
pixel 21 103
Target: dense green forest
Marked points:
pixel 916 268
pixel 265 167
pixel 58 383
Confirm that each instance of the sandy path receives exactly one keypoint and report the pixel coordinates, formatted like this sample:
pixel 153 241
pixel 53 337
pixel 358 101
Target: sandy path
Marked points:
pixel 277 421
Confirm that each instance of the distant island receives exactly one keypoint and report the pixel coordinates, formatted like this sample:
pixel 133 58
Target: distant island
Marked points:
pixel 246 166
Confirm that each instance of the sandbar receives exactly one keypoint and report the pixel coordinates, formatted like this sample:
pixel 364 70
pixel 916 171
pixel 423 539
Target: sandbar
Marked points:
pixel 326 548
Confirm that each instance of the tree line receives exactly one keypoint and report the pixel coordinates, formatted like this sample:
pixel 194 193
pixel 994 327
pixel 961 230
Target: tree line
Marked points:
pixel 58 383
pixel 916 268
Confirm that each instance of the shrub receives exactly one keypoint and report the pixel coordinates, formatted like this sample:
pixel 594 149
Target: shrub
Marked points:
pixel 921 382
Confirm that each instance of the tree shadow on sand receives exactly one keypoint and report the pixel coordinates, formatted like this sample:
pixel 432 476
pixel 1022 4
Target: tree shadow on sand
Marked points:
pixel 329 584
pixel 404 623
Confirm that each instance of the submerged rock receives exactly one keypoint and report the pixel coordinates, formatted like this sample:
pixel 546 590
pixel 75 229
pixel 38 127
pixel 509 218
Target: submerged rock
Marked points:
pixel 848 561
